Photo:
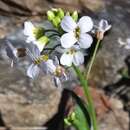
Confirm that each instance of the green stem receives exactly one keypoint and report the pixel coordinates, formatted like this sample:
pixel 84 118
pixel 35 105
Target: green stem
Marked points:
pixel 84 84
pixel 93 58
pixel 51 30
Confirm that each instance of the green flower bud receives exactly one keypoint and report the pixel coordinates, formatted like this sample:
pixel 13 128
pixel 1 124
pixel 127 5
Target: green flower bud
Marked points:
pixel 43 40
pixel 60 13
pixel 68 13
pixel 50 15
pixel 75 15
pixel 56 21
pixel 67 122
pixel 54 10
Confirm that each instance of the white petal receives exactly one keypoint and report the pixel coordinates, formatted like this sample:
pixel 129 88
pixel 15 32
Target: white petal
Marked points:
pixel 128 40
pixel 33 71
pixel 85 24
pixel 66 59
pixel 127 46
pixel 28 28
pixel 57 82
pixel 108 27
pixel 35 50
pixel 104 26
pixel 68 24
pixel 50 66
pixel 121 42
pixel 56 61
pixel 78 58
pixel 85 40
pixel 43 67
pixel 30 39
pixel 11 51
pixel 39 45
pixel 68 40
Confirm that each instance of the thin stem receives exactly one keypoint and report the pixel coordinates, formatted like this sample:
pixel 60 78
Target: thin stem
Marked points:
pixel 50 49
pixel 53 35
pixel 51 30
pixel 87 93
pixel 93 58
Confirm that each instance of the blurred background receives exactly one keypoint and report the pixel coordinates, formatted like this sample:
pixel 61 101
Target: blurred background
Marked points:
pixel 105 78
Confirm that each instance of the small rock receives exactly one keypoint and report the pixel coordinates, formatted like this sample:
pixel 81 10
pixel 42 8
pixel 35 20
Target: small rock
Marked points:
pixel 116 104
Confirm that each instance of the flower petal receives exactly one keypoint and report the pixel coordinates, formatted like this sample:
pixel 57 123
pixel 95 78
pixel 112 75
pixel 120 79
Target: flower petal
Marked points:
pixel 57 82
pixel 66 59
pixel 33 71
pixel 30 39
pixel 104 26
pixel 85 24
pixel 35 51
pixel 68 24
pixel 78 58
pixel 39 45
pixel 50 66
pixel 68 40
pixel 28 28
pixel 11 50
pixel 85 40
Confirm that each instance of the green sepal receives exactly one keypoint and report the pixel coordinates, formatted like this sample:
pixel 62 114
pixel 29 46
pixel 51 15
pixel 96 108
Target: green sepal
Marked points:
pixel 38 32
pixel 43 40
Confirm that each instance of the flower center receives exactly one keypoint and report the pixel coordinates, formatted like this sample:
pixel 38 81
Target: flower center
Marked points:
pixel 38 32
pixel 71 51
pixel 59 71
pixel 77 32
pixel 41 59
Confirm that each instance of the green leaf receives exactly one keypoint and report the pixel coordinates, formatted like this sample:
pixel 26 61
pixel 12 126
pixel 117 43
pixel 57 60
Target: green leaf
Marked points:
pixel 80 117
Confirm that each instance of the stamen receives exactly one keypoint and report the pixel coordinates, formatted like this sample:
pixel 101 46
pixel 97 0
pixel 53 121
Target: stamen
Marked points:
pixel 29 53
pixel 77 32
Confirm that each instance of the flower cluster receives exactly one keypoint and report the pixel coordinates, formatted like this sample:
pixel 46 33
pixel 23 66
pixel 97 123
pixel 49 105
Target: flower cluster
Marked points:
pixel 55 49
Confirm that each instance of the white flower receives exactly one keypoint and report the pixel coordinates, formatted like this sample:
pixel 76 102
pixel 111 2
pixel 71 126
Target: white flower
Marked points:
pixel 56 71
pixel 76 32
pixel 102 28
pixel 38 62
pixel 126 43
pixel 72 55
pixel 34 35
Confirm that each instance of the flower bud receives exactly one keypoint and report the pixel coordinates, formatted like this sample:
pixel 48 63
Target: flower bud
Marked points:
pixel 60 13
pixel 56 21
pixel 50 15
pixel 75 15
pixel 68 13
pixel 100 35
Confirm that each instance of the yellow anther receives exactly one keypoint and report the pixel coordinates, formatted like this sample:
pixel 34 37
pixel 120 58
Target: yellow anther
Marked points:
pixel 41 59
